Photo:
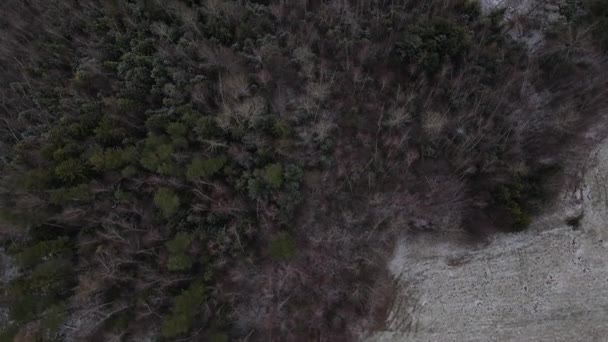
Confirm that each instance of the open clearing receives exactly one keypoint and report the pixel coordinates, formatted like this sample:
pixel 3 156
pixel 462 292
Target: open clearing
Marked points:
pixel 549 283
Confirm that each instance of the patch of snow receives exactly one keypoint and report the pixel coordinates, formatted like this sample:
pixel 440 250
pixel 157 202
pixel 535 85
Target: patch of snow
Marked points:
pixel 545 284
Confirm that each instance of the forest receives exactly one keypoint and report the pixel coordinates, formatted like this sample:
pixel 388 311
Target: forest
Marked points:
pixel 208 170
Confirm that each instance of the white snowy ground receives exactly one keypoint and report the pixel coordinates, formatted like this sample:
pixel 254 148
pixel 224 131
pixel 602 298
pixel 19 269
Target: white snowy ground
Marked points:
pixel 549 283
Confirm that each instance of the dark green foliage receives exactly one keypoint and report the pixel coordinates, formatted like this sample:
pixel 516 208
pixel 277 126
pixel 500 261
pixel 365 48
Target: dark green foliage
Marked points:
pixel 43 287
pixel 179 262
pixel 53 318
pixel 178 133
pixel 109 132
pixel 206 128
pixel 218 337
pixel 157 155
pixel 430 43
pixel 205 167
pixel 129 171
pixel 7 333
pixel 26 219
pixel 167 201
pixel 179 259
pixel 291 196
pixel 283 247
pixel 273 175
pixel 257 22
pixel 470 9
pixel 79 193
pixel 29 256
pixel 35 179
pixel 71 170
pixel 520 199
pixel 180 243
pixel 185 308
pixel 112 158
pixel 71 150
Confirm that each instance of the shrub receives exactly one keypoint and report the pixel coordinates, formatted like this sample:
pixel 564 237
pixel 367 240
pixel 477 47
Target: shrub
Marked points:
pixel 77 193
pixel 43 287
pixel 255 188
pixel 36 179
pixel 273 175
pixel 71 170
pixel 290 195
pixel 180 243
pixel 205 168
pixel 112 159
pixel 207 128
pixel 27 219
pixel 129 171
pixel 53 318
pixel 67 151
pixel 179 262
pixel 185 309
pixel 29 256
pixel 8 333
pixel 157 156
pixel 429 43
pixel 518 198
pixel 178 133
pixel 167 201
pixel 218 337
pixel 283 247
pixel 109 132
pixel 176 130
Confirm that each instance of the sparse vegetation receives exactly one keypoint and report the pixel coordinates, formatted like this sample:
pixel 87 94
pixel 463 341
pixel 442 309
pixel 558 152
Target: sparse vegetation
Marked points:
pixel 239 170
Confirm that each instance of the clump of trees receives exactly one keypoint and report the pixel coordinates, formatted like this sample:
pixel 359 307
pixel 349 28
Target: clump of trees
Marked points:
pixel 239 170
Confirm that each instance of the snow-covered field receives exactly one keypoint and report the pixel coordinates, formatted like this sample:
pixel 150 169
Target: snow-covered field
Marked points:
pixel 549 283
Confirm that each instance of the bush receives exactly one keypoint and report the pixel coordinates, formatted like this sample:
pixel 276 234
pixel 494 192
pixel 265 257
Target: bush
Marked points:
pixel 273 175
pixel 290 196
pixel 429 43
pixel 36 179
pixel 53 318
pixel 205 168
pixel 180 243
pixel 179 262
pixel 109 132
pixel 8 333
pixel 29 256
pixel 27 219
pixel 185 309
pixel 519 198
pixel 218 337
pixel 77 193
pixel 207 128
pixel 283 247
pixel 157 155
pixel 112 159
pixel 43 287
pixel 167 201
pixel 71 170
pixel 67 151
